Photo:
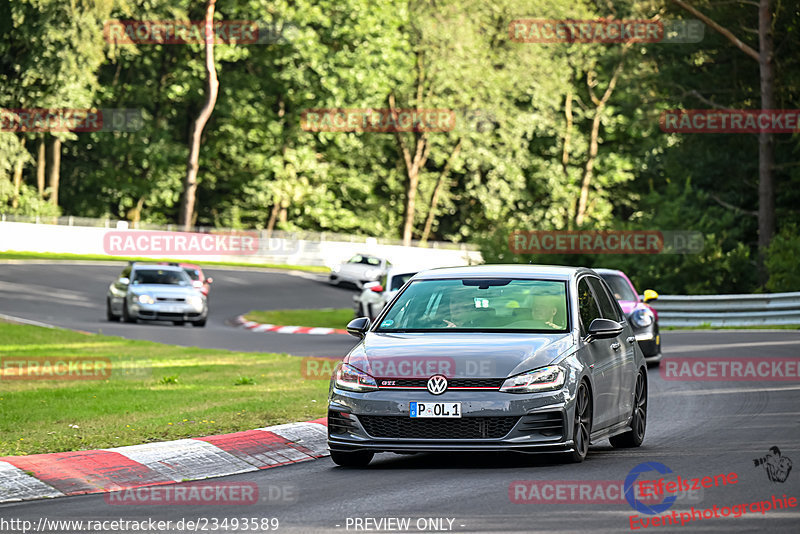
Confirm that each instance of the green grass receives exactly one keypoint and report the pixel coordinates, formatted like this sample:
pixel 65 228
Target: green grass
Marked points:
pixel 156 392
pixel 323 318
pixel 13 255
pixel 707 326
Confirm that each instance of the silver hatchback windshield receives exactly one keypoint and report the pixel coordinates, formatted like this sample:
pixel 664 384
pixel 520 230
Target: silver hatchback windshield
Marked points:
pixel 492 304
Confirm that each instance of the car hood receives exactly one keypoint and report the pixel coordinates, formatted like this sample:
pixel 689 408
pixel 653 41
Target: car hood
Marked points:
pixel 164 290
pixel 456 355
pixel 629 305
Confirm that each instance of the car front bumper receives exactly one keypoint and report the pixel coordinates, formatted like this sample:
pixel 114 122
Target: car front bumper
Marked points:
pixel 168 312
pixel 491 421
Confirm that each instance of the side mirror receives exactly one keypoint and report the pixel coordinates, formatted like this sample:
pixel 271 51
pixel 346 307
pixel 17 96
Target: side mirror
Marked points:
pixel 604 329
pixel 649 295
pixel 371 285
pixel 124 280
pixel 209 280
pixel 358 327
pixel 377 288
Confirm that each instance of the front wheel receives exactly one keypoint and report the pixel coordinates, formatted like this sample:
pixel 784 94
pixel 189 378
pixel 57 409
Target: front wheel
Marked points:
pixel 109 314
pixel 126 316
pixel 582 426
pixel 201 322
pixel 352 459
pixel 635 436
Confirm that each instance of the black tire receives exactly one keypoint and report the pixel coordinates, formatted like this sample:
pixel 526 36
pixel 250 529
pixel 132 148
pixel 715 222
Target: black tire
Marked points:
pixel 635 436
pixel 200 323
pixel 179 323
pixel 352 459
pixel 582 425
pixel 126 316
pixel 109 314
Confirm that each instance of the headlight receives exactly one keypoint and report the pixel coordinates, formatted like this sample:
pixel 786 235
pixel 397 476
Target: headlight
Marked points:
pixel 145 299
pixel 642 317
pixel 196 301
pixel 544 379
pixel 350 378
pixel 372 273
pixel 336 268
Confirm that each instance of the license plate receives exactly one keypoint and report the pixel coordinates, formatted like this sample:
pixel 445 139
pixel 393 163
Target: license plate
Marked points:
pixel 435 409
pixel 171 309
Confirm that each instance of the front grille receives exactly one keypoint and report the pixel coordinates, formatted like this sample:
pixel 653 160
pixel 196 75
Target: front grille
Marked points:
pixel 548 424
pixel 443 429
pixel 477 383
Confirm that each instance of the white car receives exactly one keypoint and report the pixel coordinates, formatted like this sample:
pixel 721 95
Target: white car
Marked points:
pixel 359 270
pixel 376 295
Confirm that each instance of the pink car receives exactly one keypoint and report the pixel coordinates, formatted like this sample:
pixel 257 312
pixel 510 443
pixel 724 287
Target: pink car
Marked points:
pixel 642 316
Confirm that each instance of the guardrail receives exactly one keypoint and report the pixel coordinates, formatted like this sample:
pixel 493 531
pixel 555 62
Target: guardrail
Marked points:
pixel 728 310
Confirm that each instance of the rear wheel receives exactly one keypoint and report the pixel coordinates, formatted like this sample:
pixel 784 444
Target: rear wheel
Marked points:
pixel 635 436
pixel 352 459
pixel 109 314
pixel 582 426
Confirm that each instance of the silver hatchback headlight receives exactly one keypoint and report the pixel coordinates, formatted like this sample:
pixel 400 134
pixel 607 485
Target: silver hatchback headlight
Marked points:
pixel 542 379
pixel 642 318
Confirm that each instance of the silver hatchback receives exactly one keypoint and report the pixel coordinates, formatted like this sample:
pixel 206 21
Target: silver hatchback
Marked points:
pixel 155 293
pixel 514 358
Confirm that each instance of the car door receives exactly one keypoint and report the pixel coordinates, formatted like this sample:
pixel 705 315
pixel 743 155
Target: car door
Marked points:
pixel 622 368
pixel 600 357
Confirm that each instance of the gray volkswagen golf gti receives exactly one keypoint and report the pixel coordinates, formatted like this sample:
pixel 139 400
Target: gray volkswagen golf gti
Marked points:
pixel 524 358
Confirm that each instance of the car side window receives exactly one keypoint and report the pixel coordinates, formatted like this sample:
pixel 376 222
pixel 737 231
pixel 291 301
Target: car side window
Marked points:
pixel 607 307
pixel 587 306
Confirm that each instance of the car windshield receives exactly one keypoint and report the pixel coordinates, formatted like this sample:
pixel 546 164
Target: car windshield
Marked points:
pixel 620 287
pixel 400 279
pixel 194 274
pixel 366 260
pixel 159 276
pixel 472 304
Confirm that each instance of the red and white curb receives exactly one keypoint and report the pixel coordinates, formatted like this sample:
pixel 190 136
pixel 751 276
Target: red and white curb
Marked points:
pixel 41 476
pixel 280 329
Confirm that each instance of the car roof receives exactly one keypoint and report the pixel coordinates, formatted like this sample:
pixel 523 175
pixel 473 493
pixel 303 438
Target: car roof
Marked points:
pixel 520 270
pixel 607 271
pixel 156 267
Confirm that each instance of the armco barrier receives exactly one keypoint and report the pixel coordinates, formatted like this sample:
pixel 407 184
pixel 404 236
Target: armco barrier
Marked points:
pixel 728 310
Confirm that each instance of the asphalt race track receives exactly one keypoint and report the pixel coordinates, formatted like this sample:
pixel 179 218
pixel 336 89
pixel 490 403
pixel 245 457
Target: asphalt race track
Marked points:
pixel 73 296
pixel 695 428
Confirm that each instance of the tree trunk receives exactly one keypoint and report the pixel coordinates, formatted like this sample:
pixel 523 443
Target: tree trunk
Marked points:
pixel 18 178
pixel 437 191
pixel 766 188
pixel 40 168
pixel 588 169
pixel 187 212
pixel 766 157
pixel 55 170
pixel 565 150
pixel 276 207
pixel 600 104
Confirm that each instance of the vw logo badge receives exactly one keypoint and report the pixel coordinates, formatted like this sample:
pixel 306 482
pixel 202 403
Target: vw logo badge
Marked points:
pixel 437 384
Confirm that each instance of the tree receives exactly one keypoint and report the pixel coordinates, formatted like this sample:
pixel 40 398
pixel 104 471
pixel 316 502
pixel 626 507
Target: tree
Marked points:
pixel 212 88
